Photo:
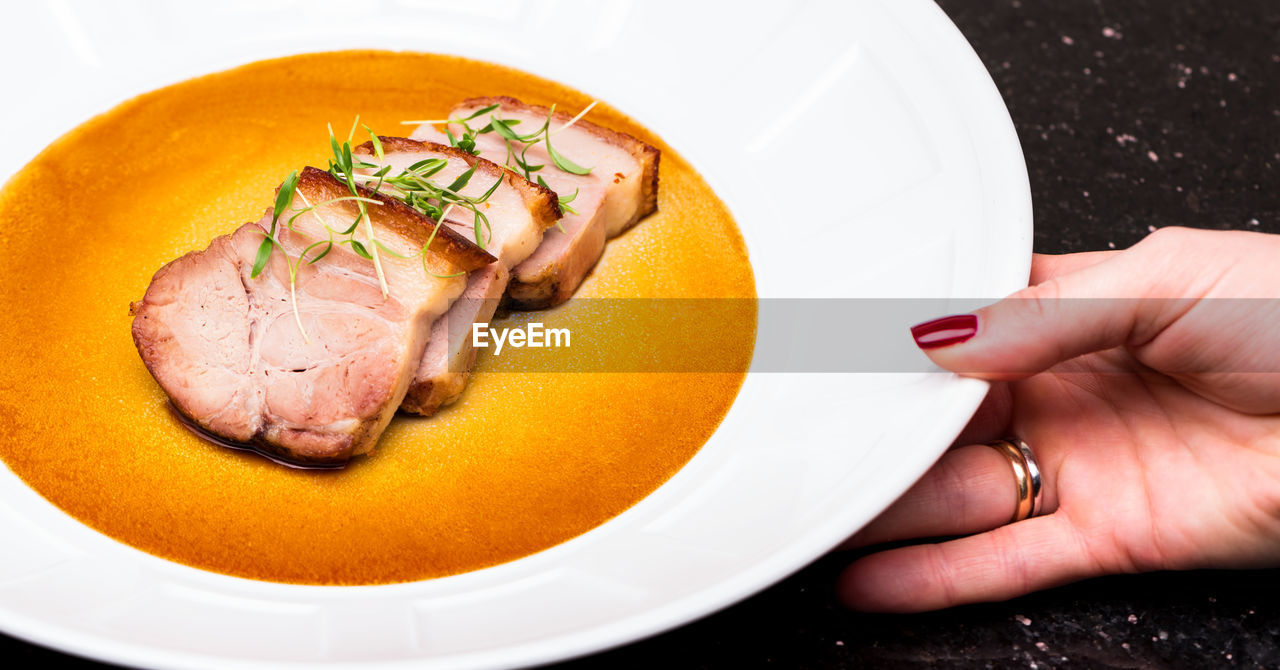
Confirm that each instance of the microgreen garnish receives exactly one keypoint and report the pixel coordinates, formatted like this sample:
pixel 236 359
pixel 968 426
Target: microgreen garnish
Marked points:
pixel 517 145
pixel 271 238
pixel 462 180
pixel 412 186
pixel 563 200
pixel 343 166
pixel 561 162
pixel 283 197
pixel 260 261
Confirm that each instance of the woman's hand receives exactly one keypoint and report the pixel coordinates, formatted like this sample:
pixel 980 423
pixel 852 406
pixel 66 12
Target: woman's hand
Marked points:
pixel 1147 383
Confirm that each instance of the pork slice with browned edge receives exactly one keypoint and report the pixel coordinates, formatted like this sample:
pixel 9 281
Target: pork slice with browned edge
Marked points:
pixel 317 384
pixel 518 212
pixel 621 189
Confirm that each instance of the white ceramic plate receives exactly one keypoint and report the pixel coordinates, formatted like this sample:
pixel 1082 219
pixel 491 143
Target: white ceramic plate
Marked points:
pixel 919 189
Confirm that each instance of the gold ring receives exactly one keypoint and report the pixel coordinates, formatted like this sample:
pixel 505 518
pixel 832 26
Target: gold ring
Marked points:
pixel 1026 473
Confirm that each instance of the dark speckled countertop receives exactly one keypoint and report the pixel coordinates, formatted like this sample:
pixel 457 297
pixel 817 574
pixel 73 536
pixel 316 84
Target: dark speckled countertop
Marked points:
pixel 1133 114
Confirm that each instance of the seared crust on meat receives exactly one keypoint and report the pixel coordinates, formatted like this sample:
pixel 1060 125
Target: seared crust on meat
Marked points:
pixel 648 155
pixel 404 220
pixel 542 202
pixel 429 397
pixel 543 292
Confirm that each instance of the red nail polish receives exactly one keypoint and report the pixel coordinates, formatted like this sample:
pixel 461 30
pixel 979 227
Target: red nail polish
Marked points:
pixel 946 331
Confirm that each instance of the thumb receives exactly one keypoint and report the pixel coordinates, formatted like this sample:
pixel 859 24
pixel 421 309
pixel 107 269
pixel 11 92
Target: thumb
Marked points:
pixel 1084 303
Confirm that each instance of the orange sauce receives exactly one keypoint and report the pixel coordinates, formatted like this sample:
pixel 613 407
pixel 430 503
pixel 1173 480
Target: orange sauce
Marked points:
pixel 523 462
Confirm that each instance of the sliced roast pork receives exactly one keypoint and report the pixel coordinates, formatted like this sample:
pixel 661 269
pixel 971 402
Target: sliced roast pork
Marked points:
pixel 315 384
pixel 517 211
pixel 621 189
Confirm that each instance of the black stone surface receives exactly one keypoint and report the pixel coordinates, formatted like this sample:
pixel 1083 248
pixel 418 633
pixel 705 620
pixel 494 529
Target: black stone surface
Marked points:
pixel 1133 114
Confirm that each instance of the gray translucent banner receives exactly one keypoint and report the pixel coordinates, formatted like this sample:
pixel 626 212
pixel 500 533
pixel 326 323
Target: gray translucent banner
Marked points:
pixel 835 335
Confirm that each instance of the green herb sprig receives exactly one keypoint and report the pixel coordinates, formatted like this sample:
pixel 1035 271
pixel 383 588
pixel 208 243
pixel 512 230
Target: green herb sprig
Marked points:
pixel 412 186
pixel 517 145
pixel 271 241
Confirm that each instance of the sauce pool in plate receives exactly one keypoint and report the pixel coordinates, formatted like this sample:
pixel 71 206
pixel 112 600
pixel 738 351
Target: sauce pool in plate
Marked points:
pixel 524 460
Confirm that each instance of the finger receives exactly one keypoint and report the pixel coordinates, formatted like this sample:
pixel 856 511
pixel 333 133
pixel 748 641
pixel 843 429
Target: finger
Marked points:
pixel 1047 266
pixel 1062 317
pixel 1004 563
pixel 991 420
pixel 969 490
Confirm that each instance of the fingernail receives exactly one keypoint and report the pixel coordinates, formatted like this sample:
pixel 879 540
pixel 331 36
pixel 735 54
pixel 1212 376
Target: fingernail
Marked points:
pixel 946 331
